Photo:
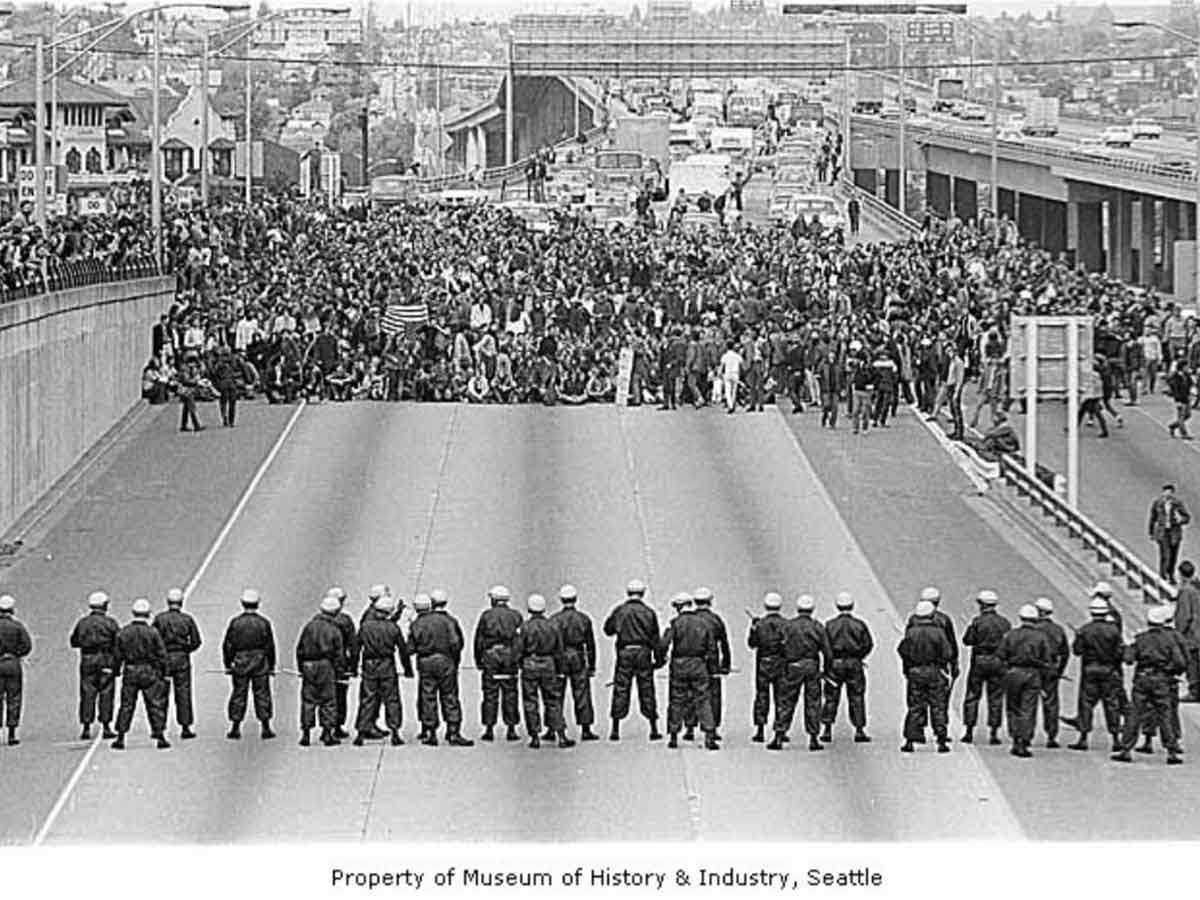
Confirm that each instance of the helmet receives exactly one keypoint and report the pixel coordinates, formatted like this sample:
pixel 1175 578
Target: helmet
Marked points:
pixel 536 603
pixel 422 603
pixel 635 588
pixel 438 597
pixel 1044 605
pixel 924 609
pixel 702 595
pixel 931 594
pixel 141 607
pixel 7 603
pixel 499 593
pixel 1028 613
pixel 806 603
pixel 337 593
pixel 1098 606
pixel 987 598
pixel 377 591
pixel 98 600
pixel 844 601
pixel 250 598
pixel 330 604
pixel 175 597
pixel 568 594
pixel 1160 615
pixel 772 601
pixel 386 603
pixel 1102 589
pixel 681 600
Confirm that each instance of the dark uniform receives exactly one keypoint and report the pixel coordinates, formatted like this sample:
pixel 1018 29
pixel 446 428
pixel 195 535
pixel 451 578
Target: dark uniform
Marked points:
pixel 95 637
pixel 1159 660
pixel 1101 652
pixel 436 641
pixel 579 660
pixel 495 634
pixel 766 640
pixel 15 645
pixel 690 642
pixel 181 638
pixel 537 652
pixel 718 667
pixel 946 624
pixel 1027 655
pixel 379 639
pixel 345 669
pixel 248 654
pixel 806 658
pixel 141 661
pixel 983 636
pixel 320 653
pixel 926 655
pixel 850 643
pixel 635 626
pixel 1050 679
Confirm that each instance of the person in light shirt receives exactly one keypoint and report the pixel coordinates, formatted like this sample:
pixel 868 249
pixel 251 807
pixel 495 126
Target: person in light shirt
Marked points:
pixel 731 375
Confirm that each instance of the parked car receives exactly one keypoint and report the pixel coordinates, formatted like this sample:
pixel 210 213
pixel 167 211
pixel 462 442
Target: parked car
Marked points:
pixel 1117 136
pixel 1146 130
pixel 972 112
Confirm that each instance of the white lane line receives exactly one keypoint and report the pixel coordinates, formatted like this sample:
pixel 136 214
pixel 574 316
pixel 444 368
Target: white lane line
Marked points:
pixel 986 785
pixel 435 498
pixel 77 775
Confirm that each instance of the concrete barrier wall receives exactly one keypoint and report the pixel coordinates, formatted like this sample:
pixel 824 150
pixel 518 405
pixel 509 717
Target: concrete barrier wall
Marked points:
pixel 70 368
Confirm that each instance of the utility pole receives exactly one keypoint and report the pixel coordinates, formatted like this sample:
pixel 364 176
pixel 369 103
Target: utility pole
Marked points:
pixel 903 173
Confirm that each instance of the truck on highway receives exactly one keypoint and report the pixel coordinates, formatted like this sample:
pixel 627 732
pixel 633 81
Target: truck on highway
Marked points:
pixel 1041 117
pixel 948 94
pixel 746 109
pixel 693 178
pixel 638 158
pixel 868 95
pixel 709 103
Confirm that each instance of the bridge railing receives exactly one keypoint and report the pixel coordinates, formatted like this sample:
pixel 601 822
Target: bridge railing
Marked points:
pixel 67 274
pixel 500 174
pixel 872 205
pixel 1124 564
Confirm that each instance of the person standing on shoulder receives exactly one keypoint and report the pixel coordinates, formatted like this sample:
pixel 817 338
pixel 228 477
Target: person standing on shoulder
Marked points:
pixel 95 637
pixel 15 645
pixel 1187 623
pixel 1168 516
pixel 181 636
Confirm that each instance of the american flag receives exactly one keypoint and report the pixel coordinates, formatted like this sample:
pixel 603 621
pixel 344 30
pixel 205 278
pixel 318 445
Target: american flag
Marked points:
pixel 399 316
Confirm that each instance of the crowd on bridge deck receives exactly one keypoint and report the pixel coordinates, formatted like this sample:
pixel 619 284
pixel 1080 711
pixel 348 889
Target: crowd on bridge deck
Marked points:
pixel 548 661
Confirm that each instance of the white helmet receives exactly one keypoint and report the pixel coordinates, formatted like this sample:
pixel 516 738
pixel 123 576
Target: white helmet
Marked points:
pixel 844 601
pixel 536 603
pixel 1028 613
pixel 175 596
pixel 330 604
pixel 1044 605
pixel 772 601
pixel 250 598
pixel 1098 606
pixel 98 600
pixel 8 603
pixel 931 594
pixel 987 598
pixel 141 607
pixel 924 609
pixel 386 603
pixel 806 603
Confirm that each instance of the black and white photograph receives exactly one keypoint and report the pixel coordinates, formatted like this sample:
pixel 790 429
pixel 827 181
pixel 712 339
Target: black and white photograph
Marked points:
pixel 639 446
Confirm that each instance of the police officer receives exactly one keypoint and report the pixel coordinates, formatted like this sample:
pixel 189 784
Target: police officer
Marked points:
pixel 689 642
pixel 1052 677
pixel 635 626
pixel 934 596
pixel 926 656
pixel 248 654
pixel 141 661
pixel 436 641
pixel 374 594
pixel 1101 652
pixel 181 636
pixel 95 637
pixel 320 653
pixel 766 640
pixel 806 658
pixel 719 666
pixel 1027 655
pixel 850 643
pixel 983 636
pixel 579 658
pixel 495 633
pixel 15 645
pixel 538 654
pixel 379 639
pixel 347 667
pixel 1159 660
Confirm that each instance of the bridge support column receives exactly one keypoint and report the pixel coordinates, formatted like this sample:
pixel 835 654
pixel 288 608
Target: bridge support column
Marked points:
pixel 1170 234
pixel 1030 216
pixel 937 194
pixel 1145 274
pixel 1120 236
pixel 1083 235
pixel 966 199
pixel 891 187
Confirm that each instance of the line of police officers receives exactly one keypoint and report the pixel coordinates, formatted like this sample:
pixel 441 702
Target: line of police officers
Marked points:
pixel 1018 668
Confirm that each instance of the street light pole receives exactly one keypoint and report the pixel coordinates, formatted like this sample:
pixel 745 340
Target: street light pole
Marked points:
pixel 249 149
pixel 903 167
pixel 995 176
pixel 156 145
pixel 847 158
pixel 39 134
pixel 204 124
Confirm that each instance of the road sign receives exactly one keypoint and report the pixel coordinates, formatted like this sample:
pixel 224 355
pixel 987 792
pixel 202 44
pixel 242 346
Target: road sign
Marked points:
pixel 867 34
pixel 26 176
pixel 929 31
pixel 1052 358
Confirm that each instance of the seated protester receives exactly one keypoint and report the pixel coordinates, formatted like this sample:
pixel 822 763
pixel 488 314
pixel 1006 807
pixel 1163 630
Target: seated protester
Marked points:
pixel 314 384
pixel 340 382
pixel 376 379
pixel 600 388
pixel 574 387
pixel 156 385
pixel 458 383
pixel 440 379
pixel 422 384
pixel 504 386
pixel 394 374
pixel 277 385
pixel 1001 438
pixel 478 389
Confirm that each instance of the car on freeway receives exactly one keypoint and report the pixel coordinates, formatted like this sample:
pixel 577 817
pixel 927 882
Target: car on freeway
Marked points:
pixel 536 216
pixel 1146 130
pixel 827 210
pixel 692 222
pixel 780 208
pixel 570 184
pixel 465 197
pixel 1117 136
pixel 890 111
pixel 1010 134
pixel 972 112
pixel 920 120
pixel 793 175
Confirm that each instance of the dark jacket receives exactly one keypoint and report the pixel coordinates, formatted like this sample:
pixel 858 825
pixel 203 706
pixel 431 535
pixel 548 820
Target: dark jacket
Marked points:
pixel 1156 651
pixel 249 645
pixel 539 640
pixel 379 640
pixel 96 635
pixel 687 637
pixel 633 624
pixel 925 645
pixel 1027 647
pixel 321 639
pixel 945 623
pixel 178 630
pixel 1167 519
pixel 767 635
pixel 1099 643
pixel 985 633
pixel 497 627
pixel 1058 644
pixel 14 639
pixel 140 645
pixel 849 638
pixel 722 659
pixel 432 633
pixel 576 630
pixel 804 638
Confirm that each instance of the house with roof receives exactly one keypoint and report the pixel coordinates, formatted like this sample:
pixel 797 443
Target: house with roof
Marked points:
pixel 181 136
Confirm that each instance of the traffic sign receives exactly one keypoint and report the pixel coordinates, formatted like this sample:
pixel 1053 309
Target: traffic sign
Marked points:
pixel 867 34
pixel 929 31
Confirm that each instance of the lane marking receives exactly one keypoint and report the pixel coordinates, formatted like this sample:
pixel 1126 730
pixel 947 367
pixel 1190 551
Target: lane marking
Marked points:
pixel 987 786
pixel 243 502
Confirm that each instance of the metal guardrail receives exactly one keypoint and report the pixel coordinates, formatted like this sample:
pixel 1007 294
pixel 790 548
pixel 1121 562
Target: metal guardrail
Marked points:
pixel 883 210
pixel 1109 551
pixel 492 177
pixel 63 276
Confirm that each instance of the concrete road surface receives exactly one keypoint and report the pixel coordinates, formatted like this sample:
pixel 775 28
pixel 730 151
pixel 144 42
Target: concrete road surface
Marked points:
pixel 462 497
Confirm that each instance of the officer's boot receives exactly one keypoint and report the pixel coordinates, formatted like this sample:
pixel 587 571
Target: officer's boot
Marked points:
pixel 1173 757
pixel 861 736
pixel 968 736
pixel 340 733
pixel 758 735
pixel 564 742
pixel 267 733
pixel 109 734
pixel 1081 743
pixel 827 733
pixel 305 740
pixel 119 742
pixel 907 747
pixel 776 742
pixel 397 741
pixel 513 734
pixel 160 741
pixel 186 734
pixel 85 733
pixel 689 733
pixel 673 740
pixel 235 731
pixel 1120 755
pixel 1021 750
pixel 943 745
pixel 588 734
pixel 1147 745
pixel 655 734
pixel 615 733
pixel 430 739
pixel 549 734
pixel 455 739
pixel 1052 743
pixel 489 733
pixel 12 736
pixel 994 737
pixel 1116 743
pixel 359 739
pixel 814 743
pixel 328 738
pixel 535 742
pixel 374 733
pixel 710 741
